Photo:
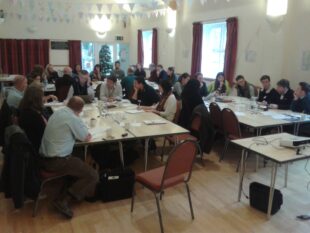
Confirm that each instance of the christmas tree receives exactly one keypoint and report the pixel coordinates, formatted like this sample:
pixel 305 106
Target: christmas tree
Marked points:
pixel 105 60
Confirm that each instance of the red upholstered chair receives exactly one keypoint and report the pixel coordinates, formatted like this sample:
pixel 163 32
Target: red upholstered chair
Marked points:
pixel 178 170
pixel 46 177
pixel 216 116
pixel 231 128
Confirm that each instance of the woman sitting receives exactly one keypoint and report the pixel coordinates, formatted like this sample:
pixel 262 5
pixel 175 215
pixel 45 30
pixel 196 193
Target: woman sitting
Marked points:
pixel 167 105
pixel 220 86
pixel 172 76
pixel 31 117
pixel 179 85
pixel 203 90
pixel 95 75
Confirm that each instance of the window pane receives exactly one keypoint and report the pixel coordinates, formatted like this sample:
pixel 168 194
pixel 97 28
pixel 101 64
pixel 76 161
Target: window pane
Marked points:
pixel 88 56
pixel 213 48
pixel 147 47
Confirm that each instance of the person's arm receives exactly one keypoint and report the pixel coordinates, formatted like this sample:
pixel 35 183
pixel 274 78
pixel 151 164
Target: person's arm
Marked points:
pixel 295 106
pixel 79 129
pixel 177 88
pixel 211 87
pixel 70 93
pixel 91 92
pixel 134 98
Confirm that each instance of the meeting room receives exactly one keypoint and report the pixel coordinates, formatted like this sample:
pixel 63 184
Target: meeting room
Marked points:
pixel 149 116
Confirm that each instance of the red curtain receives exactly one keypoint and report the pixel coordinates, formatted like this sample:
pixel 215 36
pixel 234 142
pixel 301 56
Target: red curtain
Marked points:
pixel 154 47
pixel 20 56
pixel 231 49
pixel 197 48
pixel 140 48
pixel 75 53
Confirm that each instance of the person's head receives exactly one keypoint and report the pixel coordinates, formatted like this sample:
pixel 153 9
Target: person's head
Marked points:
pixel 68 70
pixel 129 71
pixel 139 66
pixel 282 86
pixel 170 71
pixel 191 88
pixel 77 68
pixel 302 90
pixel 159 68
pixel 111 81
pixel 220 77
pixel 117 65
pixel 97 68
pixel 152 66
pixel 49 68
pixel 38 69
pixel 84 77
pixel 35 78
pixel 165 87
pixel 139 83
pixel 184 78
pixel 199 77
pixel 240 81
pixel 33 98
pixel 265 81
pixel 20 83
pixel 76 104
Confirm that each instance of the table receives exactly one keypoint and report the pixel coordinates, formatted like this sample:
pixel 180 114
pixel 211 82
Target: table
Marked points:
pixel 124 118
pixel 269 148
pixel 152 84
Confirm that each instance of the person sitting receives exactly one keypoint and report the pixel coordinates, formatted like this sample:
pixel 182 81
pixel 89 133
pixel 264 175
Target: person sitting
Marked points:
pixel 31 115
pixel 179 85
pixel 77 69
pixel 95 75
pixel 35 77
pixel 167 105
pixel 118 72
pixel 172 76
pixel 16 93
pixel 284 97
pixel 267 94
pixel 301 102
pixel 63 85
pixel 244 89
pixel 203 86
pixel 68 71
pixel 81 86
pixel 220 86
pixel 128 82
pixel 161 73
pixel 111 89
pixel 39 71
pixel 140 72
pixel 153 73
pixel 62 130
pixel 50 74
pixel 144 95
pixel 191 98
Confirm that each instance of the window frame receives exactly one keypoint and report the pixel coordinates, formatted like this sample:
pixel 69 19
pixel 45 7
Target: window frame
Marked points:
pixel 147 30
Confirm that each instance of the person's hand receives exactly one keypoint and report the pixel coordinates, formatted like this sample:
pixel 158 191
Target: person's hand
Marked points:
pixel 53 97
pixel 88 138
pixel 273 106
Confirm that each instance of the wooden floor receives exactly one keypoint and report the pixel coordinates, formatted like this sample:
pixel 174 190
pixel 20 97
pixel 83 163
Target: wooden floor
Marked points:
pixel 214 194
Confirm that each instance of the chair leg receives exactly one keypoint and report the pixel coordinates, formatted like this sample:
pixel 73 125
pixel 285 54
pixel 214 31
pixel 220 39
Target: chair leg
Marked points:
pixel 224 150
pixel 159 213
pixel 200 152
pixel 162 151
pixel 133 198
pixel 190 200
pixel 161 195
pixel 36 202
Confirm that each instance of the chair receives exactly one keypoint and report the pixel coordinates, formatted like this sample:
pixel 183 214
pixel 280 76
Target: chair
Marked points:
pixel 216 117
pixel 231 128
pixel 45 177
pixel 177 170
pixel 62 88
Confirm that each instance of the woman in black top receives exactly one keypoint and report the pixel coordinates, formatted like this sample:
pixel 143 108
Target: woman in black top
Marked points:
pixel 31 118
pixel 191 98
pixel 139 72
pixel 203 89
pixel 51 74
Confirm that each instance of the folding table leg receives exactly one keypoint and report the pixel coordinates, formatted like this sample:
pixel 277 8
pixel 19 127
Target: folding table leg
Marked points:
pixel 272 185
pixel 241 172
pixel 286 175
pixel 146 152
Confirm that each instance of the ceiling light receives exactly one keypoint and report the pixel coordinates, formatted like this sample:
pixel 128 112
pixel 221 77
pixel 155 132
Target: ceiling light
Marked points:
pixel 276 8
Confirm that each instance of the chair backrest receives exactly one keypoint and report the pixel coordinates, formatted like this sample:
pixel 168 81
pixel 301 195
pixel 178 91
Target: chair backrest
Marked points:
pixel 196 123
pixel 216 115
pixel 180 161
pixel 177 113
pixel 62 88
pixel 230 123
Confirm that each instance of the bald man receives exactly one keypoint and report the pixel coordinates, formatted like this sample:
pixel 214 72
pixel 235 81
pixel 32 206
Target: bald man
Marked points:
pixel 63 129
pixel 68 71
pixel 17 92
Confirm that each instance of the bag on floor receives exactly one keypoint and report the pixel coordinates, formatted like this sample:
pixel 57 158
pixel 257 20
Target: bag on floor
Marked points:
pixel 259 198
pixel 116 184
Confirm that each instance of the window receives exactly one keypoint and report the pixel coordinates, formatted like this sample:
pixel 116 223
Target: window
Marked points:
pixel 147 47
pixel 88 56
pixel 213 48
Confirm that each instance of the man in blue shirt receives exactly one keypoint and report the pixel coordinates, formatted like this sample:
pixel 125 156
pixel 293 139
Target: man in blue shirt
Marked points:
pixel 301 101
pixel 17 92
pixel 62 130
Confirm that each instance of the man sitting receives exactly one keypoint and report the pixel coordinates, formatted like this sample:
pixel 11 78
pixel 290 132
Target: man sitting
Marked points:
pixel 244 89
pixel 81 86
pixel 301 101
pixel 144 95
pixel 62 130
pixel 267 94
pixel 161 73
pixel 17 92
pixel 284 97
pixel 111 89
pixel 127 83
pixel 118 72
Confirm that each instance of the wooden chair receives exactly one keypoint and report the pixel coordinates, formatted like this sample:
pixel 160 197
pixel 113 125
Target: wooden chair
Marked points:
pixel 177 170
